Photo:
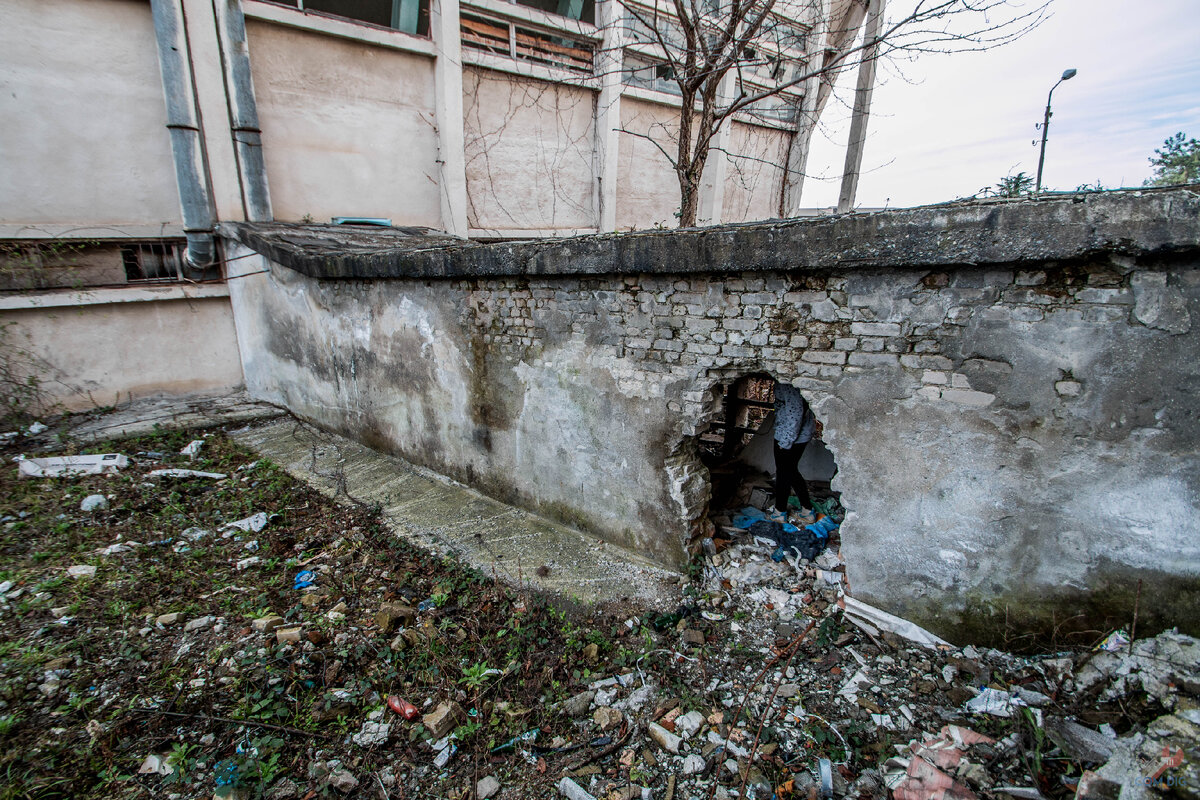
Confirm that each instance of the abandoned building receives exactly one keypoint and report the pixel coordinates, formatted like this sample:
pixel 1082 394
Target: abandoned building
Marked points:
pixel 1006 387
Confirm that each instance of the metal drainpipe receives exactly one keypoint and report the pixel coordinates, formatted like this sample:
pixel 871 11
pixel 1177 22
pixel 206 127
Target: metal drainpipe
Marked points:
pixel 243 111
pixel 195 197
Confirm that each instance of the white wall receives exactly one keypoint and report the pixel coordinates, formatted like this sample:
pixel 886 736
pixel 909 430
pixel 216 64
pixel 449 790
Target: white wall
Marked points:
pixel 82 116
pixel 348 127
pixel 528 151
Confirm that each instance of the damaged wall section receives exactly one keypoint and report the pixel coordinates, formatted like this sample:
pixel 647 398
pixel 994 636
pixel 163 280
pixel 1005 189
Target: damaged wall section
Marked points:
pixel 1015 431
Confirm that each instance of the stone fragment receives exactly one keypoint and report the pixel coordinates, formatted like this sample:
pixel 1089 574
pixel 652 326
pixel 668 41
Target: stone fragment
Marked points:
pixel 445 718
pixel 267 624
pixel 163 620
pixel 607 718
pixel 405 639
pixel 693 765
pixel 287 634
pixel 591 652
pixel 94 502
pixel 486 788
pixel 199 623
pixel 689 724
pixel 283 789
pixel 1157 305
pixel 392 614
pixel 664 738
pixel 693 637
pixel 578 705
pixel 372 734
pixel 81 571
pixel 342 780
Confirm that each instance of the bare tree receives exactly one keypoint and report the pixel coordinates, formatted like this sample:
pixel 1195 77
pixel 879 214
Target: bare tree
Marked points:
pixel 735 56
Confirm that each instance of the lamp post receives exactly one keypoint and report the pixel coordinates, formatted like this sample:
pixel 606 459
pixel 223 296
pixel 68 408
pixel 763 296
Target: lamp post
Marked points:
pixel 1066 76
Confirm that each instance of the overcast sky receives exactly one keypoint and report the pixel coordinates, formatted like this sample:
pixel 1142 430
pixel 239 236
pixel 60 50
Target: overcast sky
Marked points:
pixel 946 126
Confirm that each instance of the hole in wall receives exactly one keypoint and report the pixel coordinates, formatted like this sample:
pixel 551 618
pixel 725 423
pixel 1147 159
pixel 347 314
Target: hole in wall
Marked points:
pixel 737 448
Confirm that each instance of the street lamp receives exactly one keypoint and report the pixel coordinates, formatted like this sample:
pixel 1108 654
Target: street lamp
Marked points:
pixel 1066 76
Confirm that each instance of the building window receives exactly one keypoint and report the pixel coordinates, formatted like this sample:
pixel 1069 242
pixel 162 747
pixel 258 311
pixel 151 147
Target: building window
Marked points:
pixel 518 41
pixel 584 10
pixel 73 264
pixel 646 74
pixel 410 16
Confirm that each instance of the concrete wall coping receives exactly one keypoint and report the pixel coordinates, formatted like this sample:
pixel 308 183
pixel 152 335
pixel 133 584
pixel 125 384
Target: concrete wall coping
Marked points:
pixel 1135 222
pixel 109 296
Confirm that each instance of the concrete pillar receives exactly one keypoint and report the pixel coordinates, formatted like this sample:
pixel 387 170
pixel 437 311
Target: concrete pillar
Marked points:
pixel 712 181
pixel 448 111
pixel 862 108
pixel 806 115
pixel 609 61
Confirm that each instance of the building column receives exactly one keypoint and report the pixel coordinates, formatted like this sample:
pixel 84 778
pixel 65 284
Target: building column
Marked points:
pixel 448 111
pixel 862 108
pixel 712 182
pixel 806 116
pixel 607 120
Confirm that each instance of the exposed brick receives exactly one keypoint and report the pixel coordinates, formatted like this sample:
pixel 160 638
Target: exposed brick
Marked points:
pixel 926 362
pixel 966 397
pixel 846 343
pixel 873 359
pixel 760 298
pixel 741 324
pixel 875 328
pixel 668 344
pixel 824 357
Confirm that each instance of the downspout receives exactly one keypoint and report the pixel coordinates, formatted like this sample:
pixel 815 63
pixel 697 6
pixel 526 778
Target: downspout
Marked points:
pixel 243 111
pixel 187 148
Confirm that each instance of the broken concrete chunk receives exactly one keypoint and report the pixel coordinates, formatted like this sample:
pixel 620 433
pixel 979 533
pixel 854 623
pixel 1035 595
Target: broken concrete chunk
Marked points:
pixel 199 623
pixel 163 620
pixel 267 624
pixel 444 719
pixel 664 738
pixel 287 634
pixel 573 791
pixel 689 724
pixel 1078 742
pixel 372 734
pixel 94 502
pixel 342 780
pixel 392 614
pixel 693 765
pixel 486 788
pixel 578 705
pixel 183 473
pixel 81 571
pixel 607 718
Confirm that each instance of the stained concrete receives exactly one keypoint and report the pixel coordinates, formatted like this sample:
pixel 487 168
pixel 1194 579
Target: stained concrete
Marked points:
pixel 433 512
pixel 1008 388
pixel 146 416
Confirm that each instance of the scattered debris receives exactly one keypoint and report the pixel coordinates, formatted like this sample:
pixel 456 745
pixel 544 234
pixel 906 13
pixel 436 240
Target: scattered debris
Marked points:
pixel 184 473
pixel 71 466
pixel 94 502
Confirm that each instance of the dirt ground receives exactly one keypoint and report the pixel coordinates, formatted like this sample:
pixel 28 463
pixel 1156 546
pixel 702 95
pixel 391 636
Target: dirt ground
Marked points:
pixel 194 661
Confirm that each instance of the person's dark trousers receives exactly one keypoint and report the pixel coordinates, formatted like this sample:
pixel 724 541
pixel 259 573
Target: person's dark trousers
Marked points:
pixel 788 478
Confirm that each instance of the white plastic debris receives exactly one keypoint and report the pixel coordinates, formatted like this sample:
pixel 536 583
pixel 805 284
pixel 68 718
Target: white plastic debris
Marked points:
pixel 251 524
pixel 193 448
pixel 994 702
pixel 183 473
pixel 1117 640
pixel 156 764
pixel 64 466
pixel 859 613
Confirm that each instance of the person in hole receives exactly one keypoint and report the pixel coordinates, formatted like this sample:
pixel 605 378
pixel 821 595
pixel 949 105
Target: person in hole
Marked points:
pixel 795 424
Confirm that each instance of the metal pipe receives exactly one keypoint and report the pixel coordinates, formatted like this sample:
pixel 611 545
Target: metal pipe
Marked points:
pixel 243 111
pixel 187 146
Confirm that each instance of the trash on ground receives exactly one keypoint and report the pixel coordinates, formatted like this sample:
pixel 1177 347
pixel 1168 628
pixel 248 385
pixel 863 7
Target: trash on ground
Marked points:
pixel 65 466
pixel 251 524
pixel 184 473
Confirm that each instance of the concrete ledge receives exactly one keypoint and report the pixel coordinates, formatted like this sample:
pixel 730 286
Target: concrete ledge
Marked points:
pixel 1136 222
pixel 99 297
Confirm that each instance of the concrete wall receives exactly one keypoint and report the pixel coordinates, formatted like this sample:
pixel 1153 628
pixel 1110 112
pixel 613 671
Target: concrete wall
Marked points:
pixel 348 127
pixel 82 137
pixel 754 172
pixel 110 345
pixel 528 153
pixel 1016 437
pixel 647 187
